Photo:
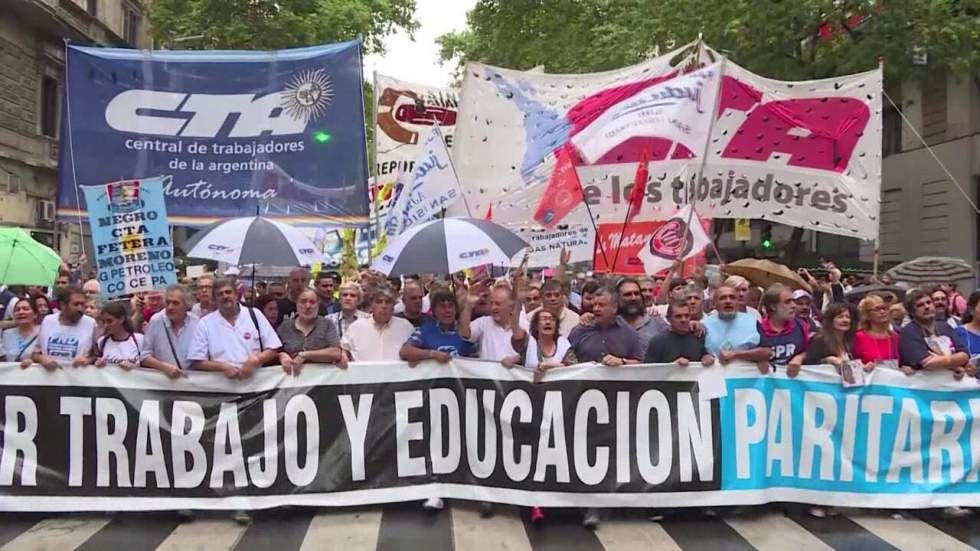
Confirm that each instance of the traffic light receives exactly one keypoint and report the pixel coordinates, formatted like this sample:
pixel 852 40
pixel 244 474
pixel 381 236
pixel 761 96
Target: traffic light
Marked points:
pixel 767 241
pixel 321 136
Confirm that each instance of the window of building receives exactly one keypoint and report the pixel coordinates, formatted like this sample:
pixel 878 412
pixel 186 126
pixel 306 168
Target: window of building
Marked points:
pixel 891 132
pixel 132 20
pixel 50 101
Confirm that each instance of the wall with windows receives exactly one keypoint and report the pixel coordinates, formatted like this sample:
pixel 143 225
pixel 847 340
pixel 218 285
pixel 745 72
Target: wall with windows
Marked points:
pixel 922 212
pixel 32 34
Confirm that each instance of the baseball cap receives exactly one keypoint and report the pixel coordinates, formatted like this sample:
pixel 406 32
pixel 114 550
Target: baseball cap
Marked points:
pixel 232 271
pixel 800 293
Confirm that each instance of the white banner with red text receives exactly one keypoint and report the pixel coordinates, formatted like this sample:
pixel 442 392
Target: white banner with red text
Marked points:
pixel 807 154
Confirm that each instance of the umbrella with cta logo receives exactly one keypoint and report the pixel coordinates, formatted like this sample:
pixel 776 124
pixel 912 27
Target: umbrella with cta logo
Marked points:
pixel 448 246
pixel 254 240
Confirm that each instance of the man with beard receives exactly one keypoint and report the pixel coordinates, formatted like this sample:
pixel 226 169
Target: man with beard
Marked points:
pixel 234 340
pixel 412 302
pixel 940 301
pixel 66 338
pixel 732 335
pixel 678 344
pixel 927 343
pixel 782 332
pixel 492 334
pixel 649 290
pixel 633 311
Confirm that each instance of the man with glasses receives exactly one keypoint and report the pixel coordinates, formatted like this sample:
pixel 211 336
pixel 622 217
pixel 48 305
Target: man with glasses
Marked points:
pixel 204 295
pixel 941 302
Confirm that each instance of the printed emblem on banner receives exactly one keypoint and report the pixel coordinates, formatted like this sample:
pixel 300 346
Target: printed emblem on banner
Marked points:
pixel 307 95
pixel 666 242
pixel 247 335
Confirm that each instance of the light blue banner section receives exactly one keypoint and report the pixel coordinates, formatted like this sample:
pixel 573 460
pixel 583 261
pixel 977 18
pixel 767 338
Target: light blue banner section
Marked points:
pixel 876 439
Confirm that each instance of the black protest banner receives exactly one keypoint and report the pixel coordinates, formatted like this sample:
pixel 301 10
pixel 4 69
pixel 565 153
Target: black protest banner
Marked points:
pixel 107 439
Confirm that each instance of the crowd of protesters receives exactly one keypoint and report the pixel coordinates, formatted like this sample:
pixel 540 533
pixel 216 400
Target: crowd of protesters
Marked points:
pixel 223 325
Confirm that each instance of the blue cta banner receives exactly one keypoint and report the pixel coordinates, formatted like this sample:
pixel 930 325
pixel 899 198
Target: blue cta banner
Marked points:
pixel 131 236
pixel 230 131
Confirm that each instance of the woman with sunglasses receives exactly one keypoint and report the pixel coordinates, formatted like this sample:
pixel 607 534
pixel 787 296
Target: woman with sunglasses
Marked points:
pixel 875 341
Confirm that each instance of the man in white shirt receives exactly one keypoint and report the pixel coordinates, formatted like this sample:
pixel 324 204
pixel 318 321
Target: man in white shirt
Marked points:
pixel 235 340
pixel 351 295
pixel 381 336
pixel 169 333
pixel 66 338
pixel 491 333
pixel 204 293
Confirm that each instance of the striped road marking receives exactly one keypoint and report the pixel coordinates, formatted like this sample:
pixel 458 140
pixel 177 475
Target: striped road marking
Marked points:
pixel 58 534
pixel 909 534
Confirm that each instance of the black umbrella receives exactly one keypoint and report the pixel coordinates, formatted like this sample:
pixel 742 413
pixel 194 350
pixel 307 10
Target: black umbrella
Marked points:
pixel 448 246
pixel 862 291
pixel 927 270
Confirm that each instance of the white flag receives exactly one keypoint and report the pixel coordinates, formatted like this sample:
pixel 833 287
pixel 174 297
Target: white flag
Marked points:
pixel 432 187
pixel 665 245
pixel 680 109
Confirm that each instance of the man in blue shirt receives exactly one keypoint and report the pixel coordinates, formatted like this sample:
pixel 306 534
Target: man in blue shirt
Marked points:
pixel 437 339
pixel 926 343
pixel 730 334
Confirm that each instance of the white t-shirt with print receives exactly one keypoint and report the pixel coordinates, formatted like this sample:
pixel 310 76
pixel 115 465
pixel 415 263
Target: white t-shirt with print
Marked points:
pixel 65 342
pixel 17 347
pixel 130 349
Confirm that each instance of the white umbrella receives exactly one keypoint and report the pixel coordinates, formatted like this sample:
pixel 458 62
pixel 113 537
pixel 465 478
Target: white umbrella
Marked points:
pixel 447 246
pixel 253 240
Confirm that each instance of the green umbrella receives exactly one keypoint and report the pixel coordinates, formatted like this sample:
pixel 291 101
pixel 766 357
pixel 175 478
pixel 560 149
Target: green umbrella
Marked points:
pixel 24 261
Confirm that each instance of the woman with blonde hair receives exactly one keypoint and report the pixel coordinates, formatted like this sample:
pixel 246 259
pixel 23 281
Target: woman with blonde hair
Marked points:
pixel 875 340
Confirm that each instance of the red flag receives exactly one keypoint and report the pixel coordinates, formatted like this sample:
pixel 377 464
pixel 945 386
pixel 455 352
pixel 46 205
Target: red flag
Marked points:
pixel 563 192
pixel 489 215
pixel 639 190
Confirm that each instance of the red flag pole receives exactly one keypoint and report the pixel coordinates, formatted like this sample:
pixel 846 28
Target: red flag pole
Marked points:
pixel 636 195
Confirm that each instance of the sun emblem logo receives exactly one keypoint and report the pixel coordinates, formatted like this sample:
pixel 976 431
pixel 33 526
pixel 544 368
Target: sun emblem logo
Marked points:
pixel 307 95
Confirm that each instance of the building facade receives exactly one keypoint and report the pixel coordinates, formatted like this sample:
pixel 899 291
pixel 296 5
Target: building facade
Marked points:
pixel 923 212
pixel 32 58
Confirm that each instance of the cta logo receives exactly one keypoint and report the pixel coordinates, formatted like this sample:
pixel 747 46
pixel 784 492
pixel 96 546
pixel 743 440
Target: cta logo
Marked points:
pixel 474 253
pixel 305 98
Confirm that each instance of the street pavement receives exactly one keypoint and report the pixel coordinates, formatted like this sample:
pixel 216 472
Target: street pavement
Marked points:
pixel 459 527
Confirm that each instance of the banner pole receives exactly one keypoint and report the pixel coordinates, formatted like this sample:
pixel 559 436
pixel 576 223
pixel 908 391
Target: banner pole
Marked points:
pixel 71 156
pixel 692 191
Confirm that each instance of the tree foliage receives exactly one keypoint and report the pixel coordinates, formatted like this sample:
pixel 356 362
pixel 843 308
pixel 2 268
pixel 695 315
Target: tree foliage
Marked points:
pixel 782 39
pixel 276 24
